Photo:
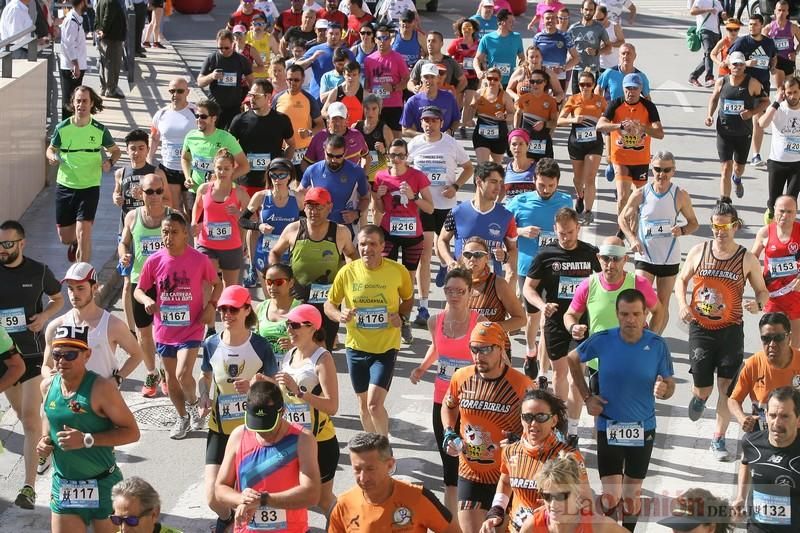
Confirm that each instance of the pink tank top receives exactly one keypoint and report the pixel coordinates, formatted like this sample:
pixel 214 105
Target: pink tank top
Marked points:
pixel 453 354
pixel 219 230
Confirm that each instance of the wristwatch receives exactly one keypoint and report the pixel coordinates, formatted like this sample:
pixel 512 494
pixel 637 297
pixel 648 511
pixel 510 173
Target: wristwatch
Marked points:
pixel 416 197
pixel 456 186
pixel 263 499
pixel 88 440
pixel 299 393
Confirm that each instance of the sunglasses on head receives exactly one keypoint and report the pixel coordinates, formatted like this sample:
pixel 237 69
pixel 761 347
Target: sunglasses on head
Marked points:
pixel 69 355
pixel 773 337
pixel 297 325
pixel 177 91
pixel 474 255
pixel 557 496
pixel 151 192
pixel 481 350
pixel 529 418
pixel 228 309
pixel 277 282
pixel 7 245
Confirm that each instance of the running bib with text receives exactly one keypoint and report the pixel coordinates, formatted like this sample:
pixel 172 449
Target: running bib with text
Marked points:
pixel 151 244
pixel 448 366
pixel 299 154
pixel 469 63
pixel 732 107
pixel 567 285
pixel 762 62
pixel 436 174
pixel 13 319
pixel 298 413
pixel 232 406
pixel 629 434
pixel 318 293
pixel 547 237
pixel 201 164
pixel 585 134
pixel 772 509
pixel 489 131
pixel 537 146
pixel 403 226
pixel 780 267
pixel 259 161
pixel 268 519
pixel 228 79
pixel 175 315
pixel 792 145
pixel 781 43
pixel 219 231
pixel 79 494
pixel 372 317
pixel 654 229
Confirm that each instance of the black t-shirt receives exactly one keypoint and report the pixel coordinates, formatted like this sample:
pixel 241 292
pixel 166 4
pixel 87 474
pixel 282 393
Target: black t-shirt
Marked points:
pixel 262 140
pixel 762 51
pixel 21 298
pixel 228 91
pixel 560 271
pixel 296 33
pixel 775 483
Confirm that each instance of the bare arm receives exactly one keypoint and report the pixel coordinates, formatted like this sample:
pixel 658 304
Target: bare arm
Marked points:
pixel 121 336
pixel 107 401
pixel 15 369
pixel 683 277
pixel 687 210
pixel 516 314
pixel 443 247
pixel 242 167
pixel 760 242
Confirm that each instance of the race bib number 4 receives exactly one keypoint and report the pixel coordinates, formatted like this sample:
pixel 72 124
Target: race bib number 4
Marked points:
pixel 585 134
pixel 630 434
pixel 79 494
pixel 318 293
pixel 780 267
pixel 268 519
pixel 298 413
pixel 403 226
pixel 772 508
pixel 219 231
pixel 232 406
pixel 175 315
pixel 654 229
pixel 567 286
pixel 13 319
pixel 372 318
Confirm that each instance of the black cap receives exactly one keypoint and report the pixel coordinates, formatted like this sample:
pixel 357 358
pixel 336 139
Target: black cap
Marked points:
pixel 409 15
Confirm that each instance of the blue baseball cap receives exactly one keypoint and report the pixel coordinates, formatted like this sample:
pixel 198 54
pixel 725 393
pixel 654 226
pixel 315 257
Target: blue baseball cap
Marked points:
pixel 632 80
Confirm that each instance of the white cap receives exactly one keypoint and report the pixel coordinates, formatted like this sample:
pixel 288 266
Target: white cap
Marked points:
pixel 337 109
pixel 321 23
pixel 736 57
pixel 429 69
pixel 80 272
pixel 487 3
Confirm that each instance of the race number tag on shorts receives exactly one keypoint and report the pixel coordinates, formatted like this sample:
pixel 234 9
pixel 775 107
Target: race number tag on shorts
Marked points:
pixel 259 161
pixel 298 413
pixel 299 154
pixel 228 79
pixel 469 63
pixel 732 107
pixel 762 62
pixel 201 164
pixel 175 315
pixel 537 146
pixel 150 245
pixel 232 406
pixel 79 494
pixel 219 231
pixel 780 267
pixel 772 508
pixel 448 366
pixel 436 174
pixel 654 229
pixel 268 519
pixel 629 434
pixel 372 318
pixel 13 319
pixel 781 43
pixel 792 145
pixel 547 237
pixel 585 134
pixel 567 285
pixel 318 293
pixel 489 131
pixel 403 226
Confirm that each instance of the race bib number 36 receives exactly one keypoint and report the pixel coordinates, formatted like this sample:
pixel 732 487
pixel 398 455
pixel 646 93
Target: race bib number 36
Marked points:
pixel 219 231
pixel 79 494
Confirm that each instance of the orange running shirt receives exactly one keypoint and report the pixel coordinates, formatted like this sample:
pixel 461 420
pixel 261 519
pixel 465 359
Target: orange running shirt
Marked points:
pixel 543 107
pixel 593 107
pixel 487 409
pixel 299 109
pixel 757 378
pixel 410 509
pixel 718 285
pixel 626 149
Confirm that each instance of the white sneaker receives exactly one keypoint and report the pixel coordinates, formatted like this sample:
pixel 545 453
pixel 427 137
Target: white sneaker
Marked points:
pixel 196 422
pixel 43 465
pixel 180 429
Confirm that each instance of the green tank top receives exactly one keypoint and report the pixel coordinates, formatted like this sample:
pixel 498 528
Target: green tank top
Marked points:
pixel 315 262
pixel 76 412
pixel 272 331
pixel 601 304
pixel 146 242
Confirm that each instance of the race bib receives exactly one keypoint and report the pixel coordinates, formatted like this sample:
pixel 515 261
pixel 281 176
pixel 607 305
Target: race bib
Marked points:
pixel 377 87
pixel 537 146
pixel 732 107
pixel 488 131
pixel 232 406
pixel 13 319
pixel 436 174
pixel 630 434
pixel 150 245
pixel 449 365
pixel 372 317
pixel 505 68
pixel 373 156
pixel 781 267
pixel 585 134
pixel 219 231
pixel 229 79
pixel 268 519
pixel 567 286
pixel 762 62
pixel 772 509
pixel 318 293
pixel 403 226
pixel 259 161
pixel 781 43
pixel 547 237
pixel 792 145
pixel 298 413
pixel 654 229
pixel 299 154
pixel 171 152
pixel 79 494
pixel 201 164
pixel 469 63
pixel 175 315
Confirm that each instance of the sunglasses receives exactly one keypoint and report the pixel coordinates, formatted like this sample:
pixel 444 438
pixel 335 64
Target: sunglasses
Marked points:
pixel 665 170
pixel 228 309
pixel 297 325
pixel 177 91
pixel 395 155
pixel 610 258
pixel 537 81
pixel 557 496
pixel 201 116
pixel 69 355
pixel 474 255
pixel 259 24
pixel 253 95
pixel 586 85
pixel 493 78
pixel 383 38
pixel 775 337
pixel 279 175
pixel 7 245
pixel 151 192
pixel 334 156
pixel 529 418
pixel 455 291
pixel 481 350
pixel 277 282
pixel 365 32
pixel 293 80
pixel 722 227
pixel 132 521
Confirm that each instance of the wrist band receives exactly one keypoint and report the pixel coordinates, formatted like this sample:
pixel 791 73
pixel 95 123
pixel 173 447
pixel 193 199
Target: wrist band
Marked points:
pixel 776 105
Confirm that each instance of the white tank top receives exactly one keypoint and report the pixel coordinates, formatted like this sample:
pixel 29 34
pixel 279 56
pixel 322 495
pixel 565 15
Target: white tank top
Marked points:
pixel 657 215
pixel 610 60
pixel 306 376
pixel 103 361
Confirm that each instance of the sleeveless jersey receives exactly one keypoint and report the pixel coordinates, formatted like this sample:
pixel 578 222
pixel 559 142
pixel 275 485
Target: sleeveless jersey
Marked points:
pixel 780 260
pixel 355 111
pixel 733 99
pixel 278 218
pixel 541 521
pixel 271 468
pixel 315 263
pixel 377 161
pixel 657 214
pixel 409 49
pixel 453 354
pixel 145 241
pixel 718 288
pixel 272 331
pixel 519 182
pixel 783 38
pixel 601 303
pixel 76 412
pixel 487 302
pixel 103 362
pixel 219 230
pixel 298 411
pixel 128 182
pixel 491 226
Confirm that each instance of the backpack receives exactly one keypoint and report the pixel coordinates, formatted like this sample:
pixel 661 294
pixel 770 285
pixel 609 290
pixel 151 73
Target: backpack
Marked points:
pixel 693 40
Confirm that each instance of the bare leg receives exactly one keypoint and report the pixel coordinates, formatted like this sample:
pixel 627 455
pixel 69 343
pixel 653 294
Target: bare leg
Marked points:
pixel 376 396
pixel 26 400
pixel 590 167
pixel 84 236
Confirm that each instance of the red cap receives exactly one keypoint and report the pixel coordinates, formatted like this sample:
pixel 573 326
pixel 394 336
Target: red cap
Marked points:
pixel 305 313
pixel 234 296
pixel 318 195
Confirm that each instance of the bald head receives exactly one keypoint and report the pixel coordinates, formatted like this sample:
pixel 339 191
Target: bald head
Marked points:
pixel 614 241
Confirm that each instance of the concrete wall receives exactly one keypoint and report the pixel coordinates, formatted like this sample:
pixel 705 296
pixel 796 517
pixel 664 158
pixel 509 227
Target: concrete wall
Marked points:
pixel 23 109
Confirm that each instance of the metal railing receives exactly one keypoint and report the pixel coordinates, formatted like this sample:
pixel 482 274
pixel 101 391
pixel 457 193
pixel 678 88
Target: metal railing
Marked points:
pixel 24 39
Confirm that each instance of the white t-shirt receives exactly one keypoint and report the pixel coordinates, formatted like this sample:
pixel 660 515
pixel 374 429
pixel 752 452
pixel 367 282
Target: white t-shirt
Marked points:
pixel 712 22
pixel 173 126
pixel 268 8
pixel 785 146
pixel 439 161
pixel 610 60
pixel 615 7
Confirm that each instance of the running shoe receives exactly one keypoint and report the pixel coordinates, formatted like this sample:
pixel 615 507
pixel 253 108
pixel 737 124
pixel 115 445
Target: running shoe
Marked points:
pixel 26 498
pixel 696 408
pixel 709 82
pixel 768 216
pixel 531 367
pixel 180 429
pixel 72 252
pixel 610 172
pixel 251 278
pixel 719 450
pixel 405 332
pixel 586 218
pixel 579 206
pixel 164 386
pixel 146 44
pixel 757 162
pixel 422 317
pixel 43 465
pixel 694 82
pixel 440 276
pixel 149 389
pixel 462 133
pixel 572 440
pixel 196 422
pixel 737 181
pixel 159 45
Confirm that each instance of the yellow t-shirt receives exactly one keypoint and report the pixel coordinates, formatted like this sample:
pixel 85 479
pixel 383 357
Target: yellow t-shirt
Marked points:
pixel 262 45
pixel 374 294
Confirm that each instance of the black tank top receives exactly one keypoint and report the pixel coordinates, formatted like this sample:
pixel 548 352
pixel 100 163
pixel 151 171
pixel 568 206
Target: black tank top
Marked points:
pixel 733 99
pixel 376 135
pixel 130 179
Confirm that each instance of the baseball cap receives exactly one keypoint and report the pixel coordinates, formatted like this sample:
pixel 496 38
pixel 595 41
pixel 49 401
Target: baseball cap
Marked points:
pixel 234 296
pixel 613 250
pixel 317 195
pixel 519 132
pixel 337 109
pixel 696 507
pixel 408 16
pixel 321 24
pixel 487 3
pixel 632 80
pixel 732 24
pixel 239 28
pixel 488 333
pixel 429 69
pixel 431 111
pixel 736 58
pixel 80 272
pixel 305 313
pixel 72 336
pixel 259 417
pixel 333 25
